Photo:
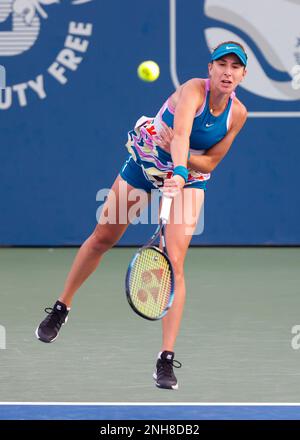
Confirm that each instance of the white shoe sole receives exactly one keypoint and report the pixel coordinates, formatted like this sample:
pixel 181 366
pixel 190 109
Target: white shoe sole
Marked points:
pixel 49 342
pixel 173 387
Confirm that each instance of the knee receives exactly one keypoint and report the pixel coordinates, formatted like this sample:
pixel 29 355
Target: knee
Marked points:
pixel 101 240
pixel 178 265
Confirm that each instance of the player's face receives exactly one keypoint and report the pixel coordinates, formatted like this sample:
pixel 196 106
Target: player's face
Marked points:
pixel 226 73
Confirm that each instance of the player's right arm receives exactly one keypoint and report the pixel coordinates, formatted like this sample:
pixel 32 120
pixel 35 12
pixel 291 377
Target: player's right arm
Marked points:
pixel 188 101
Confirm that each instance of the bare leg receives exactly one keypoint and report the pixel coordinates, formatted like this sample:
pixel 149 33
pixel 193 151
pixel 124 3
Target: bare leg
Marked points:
pixel 101 240
pixel 178 237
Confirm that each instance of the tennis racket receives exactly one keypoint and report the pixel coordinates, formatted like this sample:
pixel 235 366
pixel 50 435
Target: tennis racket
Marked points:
pixel 150 277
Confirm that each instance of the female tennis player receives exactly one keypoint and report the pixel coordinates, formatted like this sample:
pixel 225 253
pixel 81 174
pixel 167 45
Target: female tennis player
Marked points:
pixel 204 117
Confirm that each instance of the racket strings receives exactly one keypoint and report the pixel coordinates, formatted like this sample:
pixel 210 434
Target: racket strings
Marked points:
pixel 150 283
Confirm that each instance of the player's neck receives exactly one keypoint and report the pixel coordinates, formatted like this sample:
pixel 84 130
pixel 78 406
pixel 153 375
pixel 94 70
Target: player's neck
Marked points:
pixel 217 102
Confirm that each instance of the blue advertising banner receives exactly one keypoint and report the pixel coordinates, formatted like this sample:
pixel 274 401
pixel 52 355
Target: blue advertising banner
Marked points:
pixel 72 93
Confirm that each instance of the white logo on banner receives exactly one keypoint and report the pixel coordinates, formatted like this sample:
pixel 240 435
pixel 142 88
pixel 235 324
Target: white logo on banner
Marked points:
pixel 25 18
pixel 2 77
pixel 273 25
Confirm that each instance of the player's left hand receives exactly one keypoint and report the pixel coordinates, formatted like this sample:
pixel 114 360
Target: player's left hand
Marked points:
pixel 173 186
pixel 164 137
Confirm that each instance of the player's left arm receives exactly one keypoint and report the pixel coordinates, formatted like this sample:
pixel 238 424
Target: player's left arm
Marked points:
pixel 208 161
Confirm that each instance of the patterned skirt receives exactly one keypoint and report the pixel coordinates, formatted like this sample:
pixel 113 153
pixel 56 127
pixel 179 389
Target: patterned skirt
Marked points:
pixel 156 163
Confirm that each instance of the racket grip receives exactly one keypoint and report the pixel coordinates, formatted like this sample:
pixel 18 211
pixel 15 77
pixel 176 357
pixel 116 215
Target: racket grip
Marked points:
pixel 165 209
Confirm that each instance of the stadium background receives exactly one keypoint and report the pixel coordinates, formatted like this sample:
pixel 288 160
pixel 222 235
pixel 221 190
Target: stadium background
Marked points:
pixel 57 153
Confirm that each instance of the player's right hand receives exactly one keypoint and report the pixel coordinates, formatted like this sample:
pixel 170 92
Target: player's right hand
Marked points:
pixel 173 186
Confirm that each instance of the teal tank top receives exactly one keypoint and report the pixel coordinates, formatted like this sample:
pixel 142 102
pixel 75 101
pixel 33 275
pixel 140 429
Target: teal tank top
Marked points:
pixel 207 129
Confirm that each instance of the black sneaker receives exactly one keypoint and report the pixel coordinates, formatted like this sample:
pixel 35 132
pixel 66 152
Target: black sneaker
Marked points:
pixel 48 329
pixel 164 375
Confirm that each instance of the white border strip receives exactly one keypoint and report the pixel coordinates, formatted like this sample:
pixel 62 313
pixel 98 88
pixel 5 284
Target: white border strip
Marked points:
pixel 262 404
pixel 274 114
pixel 173 67
pixel 174 75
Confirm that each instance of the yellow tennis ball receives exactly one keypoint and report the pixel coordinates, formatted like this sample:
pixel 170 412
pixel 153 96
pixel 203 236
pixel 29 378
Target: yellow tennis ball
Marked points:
pixel 148 71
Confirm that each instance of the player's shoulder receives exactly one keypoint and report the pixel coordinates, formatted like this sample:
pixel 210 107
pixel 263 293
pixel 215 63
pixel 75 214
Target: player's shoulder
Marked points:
pixel 194 87
pixel 239 108
pixel 192 90
pixel 239 111
pixel 195 83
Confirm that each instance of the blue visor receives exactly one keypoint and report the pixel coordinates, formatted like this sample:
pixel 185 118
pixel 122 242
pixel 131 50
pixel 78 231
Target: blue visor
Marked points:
pixel 228 48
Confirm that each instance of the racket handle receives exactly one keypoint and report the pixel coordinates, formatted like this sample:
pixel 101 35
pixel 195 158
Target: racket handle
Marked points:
pixel 165 209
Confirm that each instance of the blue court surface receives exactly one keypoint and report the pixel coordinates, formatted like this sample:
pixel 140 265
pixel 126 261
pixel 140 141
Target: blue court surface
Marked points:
pixel 68 411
